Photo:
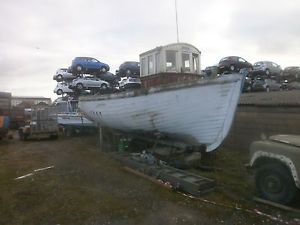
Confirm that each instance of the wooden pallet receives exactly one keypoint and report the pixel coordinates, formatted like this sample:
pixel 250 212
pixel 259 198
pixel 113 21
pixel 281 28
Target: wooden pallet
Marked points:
pixel 180 180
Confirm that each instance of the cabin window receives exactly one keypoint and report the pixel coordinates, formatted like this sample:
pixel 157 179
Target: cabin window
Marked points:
pixel 186 62
pixel 195 62
pixel 143 66
pixel 150 65
pixel 171 60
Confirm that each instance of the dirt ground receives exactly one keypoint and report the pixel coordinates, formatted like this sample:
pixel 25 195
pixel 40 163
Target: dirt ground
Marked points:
pixel 86 186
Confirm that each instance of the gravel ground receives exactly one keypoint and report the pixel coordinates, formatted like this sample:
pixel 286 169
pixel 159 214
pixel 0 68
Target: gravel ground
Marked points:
pixel 86 186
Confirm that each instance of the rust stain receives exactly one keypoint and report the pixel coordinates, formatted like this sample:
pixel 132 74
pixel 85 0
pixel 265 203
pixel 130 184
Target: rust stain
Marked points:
pixel 150 116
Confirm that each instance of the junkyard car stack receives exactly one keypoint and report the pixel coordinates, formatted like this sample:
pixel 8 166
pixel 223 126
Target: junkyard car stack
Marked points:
pixel 85 73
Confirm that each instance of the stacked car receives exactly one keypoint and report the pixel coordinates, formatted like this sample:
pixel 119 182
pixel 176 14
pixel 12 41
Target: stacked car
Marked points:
pixel 233 64
pixel 129 69
pixel 89 75
pixel 88 65
pixel 85 73
pixel 261 76
pixel 129 75
pixel 63 78
pixel 268 69
pixel 88 82
pixel 291 78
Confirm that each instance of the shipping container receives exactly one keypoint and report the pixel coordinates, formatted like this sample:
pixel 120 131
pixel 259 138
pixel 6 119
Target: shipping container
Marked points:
pixel 5 105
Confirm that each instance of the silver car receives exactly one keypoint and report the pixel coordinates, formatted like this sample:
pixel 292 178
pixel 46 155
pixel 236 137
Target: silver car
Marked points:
pixel 62 74
pixel 62 88
pixel 127 83
pixel 88 83
pixel 270 69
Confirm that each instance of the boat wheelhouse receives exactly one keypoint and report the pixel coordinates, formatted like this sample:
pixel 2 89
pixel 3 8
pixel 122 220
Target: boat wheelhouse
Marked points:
pixel 171 63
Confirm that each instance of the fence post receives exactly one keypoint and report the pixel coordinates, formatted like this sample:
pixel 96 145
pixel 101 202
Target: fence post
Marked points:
pixel 100 137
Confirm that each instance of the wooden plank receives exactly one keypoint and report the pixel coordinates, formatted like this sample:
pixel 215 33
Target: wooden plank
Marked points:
pixel 140 174
pixel 277 205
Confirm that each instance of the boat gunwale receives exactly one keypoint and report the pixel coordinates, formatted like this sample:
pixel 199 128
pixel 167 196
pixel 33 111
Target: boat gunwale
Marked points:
pixel 162 88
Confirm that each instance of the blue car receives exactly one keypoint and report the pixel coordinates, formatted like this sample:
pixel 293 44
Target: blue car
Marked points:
pixel 88 65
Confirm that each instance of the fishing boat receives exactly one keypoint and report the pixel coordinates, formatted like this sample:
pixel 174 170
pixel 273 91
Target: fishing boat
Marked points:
pixel 174 99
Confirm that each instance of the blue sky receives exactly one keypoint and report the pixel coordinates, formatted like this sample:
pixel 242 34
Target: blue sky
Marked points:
pixel 37 37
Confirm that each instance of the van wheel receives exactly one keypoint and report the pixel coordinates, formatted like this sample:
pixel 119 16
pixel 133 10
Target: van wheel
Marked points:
pixel 21 135
pixel 68 132
pixel 275 183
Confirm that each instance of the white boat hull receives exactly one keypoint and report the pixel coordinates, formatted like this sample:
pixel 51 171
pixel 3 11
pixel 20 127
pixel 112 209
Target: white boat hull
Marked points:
pixel 199 113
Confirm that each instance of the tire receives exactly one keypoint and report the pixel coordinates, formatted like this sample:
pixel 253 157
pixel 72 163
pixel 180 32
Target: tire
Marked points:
pixel 25 138
pixel 103 69
pixel 59 92
pixel 232 68
pixel 275 183
pixel 21 135
pixel 69 132
pixel 79 86
pixel 78 68
pixel 103 86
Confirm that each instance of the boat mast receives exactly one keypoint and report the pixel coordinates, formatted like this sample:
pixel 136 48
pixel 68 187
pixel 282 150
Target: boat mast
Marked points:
pixel 176 21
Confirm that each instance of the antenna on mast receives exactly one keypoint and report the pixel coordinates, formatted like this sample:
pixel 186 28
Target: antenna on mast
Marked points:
pixel 176 21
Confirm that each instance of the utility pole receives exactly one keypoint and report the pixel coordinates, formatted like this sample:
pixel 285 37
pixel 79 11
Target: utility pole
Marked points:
pixel 176 21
